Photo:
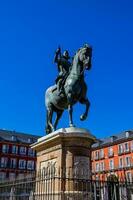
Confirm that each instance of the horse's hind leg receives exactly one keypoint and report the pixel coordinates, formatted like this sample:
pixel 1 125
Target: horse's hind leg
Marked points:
pixel 58 116
pixel 49 126
pixel 87 103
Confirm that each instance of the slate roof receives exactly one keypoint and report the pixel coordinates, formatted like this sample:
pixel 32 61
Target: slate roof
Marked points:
pixel 13 136
pixel 116 138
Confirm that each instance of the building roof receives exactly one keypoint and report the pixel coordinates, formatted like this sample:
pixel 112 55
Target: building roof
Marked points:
pixel 13 136
pixel 126 135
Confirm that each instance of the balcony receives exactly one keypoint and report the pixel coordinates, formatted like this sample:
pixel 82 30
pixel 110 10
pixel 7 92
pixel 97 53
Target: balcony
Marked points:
pixel 120 152
pixel 96 158
pixel 127 151
pixel 111 154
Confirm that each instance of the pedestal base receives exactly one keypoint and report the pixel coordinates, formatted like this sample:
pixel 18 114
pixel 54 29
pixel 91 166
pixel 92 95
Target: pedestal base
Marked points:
pixel 64 155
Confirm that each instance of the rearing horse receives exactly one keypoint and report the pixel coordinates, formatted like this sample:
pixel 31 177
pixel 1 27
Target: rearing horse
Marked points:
pixel 75 90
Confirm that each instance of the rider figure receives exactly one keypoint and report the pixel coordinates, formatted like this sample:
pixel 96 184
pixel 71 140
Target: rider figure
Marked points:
pixel 63 68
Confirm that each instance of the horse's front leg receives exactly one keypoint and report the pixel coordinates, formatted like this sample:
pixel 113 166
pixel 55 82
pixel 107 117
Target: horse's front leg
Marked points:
pixel 87 103
pixel 70 112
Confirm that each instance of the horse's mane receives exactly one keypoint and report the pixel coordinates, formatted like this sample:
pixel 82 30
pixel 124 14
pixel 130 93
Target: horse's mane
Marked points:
pixel 85 46
pixel 75 55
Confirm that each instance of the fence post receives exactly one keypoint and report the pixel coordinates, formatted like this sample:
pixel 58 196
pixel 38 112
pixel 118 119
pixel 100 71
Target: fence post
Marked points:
pixel 12 194
pixel 31 197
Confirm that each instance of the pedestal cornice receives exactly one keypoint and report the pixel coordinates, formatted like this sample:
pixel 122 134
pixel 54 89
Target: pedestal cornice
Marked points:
pixel 71 136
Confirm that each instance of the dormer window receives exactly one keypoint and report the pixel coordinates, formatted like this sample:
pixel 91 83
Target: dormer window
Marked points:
pixel 30 140
pixel 112 138
pixel 14 138
pixel 127 134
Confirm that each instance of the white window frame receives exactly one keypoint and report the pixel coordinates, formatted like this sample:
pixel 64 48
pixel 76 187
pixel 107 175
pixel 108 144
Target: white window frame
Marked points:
pixel 31 152
pixel 22 166
pixel 4 161
pixel 110 151
pixel 102 166
pixel 126 147
pixel 128 161
pixel 5 148
pixel 20 176
pixel 132 145
pixel 30 164
pixel 12 176
pixel 2 175
pixel 22 150
pixel 111 164
pixel 129 176
pixel 121 162
pixel 120 149
pixel 15 149
pixel 96 155
pixel 101 153
pixel 13 163
pixel 97 167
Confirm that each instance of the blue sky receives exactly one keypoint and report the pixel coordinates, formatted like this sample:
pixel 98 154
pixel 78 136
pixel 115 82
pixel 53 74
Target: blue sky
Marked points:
pixel 30 32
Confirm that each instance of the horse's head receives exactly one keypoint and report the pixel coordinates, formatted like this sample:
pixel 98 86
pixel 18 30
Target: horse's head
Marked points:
pixel 84 56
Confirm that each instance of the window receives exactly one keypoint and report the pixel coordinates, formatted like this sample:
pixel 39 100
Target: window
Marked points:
pixel 97 167
pixel 96 155
pixel 5 148
pixel 102 166
pixel 31 152
pixel 20 176
pixel 126 147
pixel 30 165
pixel 14 138
pixel 2 175
pixel 13 163
pixel 4 161
pixel 23 150
pixel 22 164
pixel 92 155
pixel 111 164
pixel 120 162
pixel 101 153
pixel 129 176
pixel 132 145
pixel 128 161
pixel 12 176
pixel 14 149
pixel 120 148
pixel 110 151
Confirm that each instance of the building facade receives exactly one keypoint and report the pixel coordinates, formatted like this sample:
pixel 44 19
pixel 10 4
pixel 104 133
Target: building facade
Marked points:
pixel 113 157
pixel 16 157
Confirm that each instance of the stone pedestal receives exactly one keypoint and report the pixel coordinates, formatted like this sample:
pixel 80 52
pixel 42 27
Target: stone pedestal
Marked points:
pixel 66 154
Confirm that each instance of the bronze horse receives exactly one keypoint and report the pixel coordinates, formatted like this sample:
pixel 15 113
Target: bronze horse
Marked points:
pixel 75 90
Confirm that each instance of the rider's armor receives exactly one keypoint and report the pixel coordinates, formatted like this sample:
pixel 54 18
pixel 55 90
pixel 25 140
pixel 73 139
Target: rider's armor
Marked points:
pixel 63 68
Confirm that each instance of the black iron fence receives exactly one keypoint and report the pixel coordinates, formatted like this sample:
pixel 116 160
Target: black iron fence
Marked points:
pixel 64 186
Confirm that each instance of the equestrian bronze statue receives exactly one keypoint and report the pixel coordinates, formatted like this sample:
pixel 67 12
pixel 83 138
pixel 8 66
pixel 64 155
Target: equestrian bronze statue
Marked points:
pixel 70 87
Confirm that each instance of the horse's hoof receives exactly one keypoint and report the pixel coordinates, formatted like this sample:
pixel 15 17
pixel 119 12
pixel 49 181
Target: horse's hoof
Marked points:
pixel 71 125
pixel 83 117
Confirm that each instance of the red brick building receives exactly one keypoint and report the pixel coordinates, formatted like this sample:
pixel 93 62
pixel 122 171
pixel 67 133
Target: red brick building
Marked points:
pixel 113 156
pixel 16 156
